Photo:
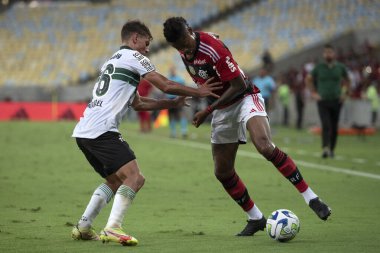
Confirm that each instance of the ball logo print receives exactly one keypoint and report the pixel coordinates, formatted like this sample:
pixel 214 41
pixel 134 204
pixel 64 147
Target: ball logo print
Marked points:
pixel 283 225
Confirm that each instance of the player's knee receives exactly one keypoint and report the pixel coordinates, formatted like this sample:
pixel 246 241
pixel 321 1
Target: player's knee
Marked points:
pixel 140 180
pixel 265 148
pixel 223 175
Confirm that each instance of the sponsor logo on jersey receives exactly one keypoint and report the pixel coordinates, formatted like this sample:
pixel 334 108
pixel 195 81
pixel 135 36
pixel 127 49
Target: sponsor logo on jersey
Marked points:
pixel 216 71
pixel 230 64
pixel 199 62
pixel 138 56
pixel 144 62
pixel 116 56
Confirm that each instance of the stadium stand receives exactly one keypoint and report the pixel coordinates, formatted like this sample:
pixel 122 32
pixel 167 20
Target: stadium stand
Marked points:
pixel 286 27
pixel 60 43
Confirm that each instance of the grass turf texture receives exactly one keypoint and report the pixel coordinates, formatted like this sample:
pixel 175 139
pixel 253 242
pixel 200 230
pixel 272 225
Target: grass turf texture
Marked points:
pixel 45 184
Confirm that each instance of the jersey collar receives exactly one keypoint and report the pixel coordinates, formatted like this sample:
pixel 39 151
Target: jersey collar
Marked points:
pixel 125 47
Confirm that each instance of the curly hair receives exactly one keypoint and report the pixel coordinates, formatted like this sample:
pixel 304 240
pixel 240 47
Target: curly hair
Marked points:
pixel 134 26
pixel 175 28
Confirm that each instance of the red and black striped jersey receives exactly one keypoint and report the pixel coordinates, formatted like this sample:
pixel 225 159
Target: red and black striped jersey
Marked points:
pixel 212 58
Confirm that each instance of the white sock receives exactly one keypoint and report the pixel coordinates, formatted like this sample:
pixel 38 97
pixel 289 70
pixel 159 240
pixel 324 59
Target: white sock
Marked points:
pixel 123 198
pixel 101 196
pixel 254 213
pixel 309 195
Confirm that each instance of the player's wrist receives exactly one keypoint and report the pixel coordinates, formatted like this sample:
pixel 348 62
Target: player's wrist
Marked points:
pixel 209 109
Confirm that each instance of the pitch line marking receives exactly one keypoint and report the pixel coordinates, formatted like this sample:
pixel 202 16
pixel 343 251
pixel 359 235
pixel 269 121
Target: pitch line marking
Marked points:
pixel 199 145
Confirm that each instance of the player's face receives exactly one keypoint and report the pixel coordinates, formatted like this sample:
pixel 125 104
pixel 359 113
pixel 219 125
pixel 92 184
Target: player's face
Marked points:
pixel 142 44
pixel 328 54
pixel 186 44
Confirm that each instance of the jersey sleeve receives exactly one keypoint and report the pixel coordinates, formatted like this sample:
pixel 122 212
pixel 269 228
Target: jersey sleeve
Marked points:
pixel 226 67
pixel 141 64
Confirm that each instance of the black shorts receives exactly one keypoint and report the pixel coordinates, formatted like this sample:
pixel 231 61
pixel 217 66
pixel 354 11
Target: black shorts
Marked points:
pixel 106 153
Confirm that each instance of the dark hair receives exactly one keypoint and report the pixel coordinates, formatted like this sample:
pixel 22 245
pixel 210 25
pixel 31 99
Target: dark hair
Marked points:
pixel 135 26
pixel 175 28
pixel 328 46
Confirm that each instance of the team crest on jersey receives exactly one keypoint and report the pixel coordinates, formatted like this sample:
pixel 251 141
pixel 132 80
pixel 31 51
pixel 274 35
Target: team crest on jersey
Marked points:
pixel 203 74
pixel 192 70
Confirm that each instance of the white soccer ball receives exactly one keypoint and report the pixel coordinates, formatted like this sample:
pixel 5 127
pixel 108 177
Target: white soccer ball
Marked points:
pixel 283 225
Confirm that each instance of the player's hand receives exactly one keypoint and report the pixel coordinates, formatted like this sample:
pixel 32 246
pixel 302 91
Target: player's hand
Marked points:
pixel 208 87
pixel 181 101
pixel 200 117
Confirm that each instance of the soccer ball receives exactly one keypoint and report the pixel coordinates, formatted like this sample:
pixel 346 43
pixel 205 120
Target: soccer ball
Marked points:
pixel 283 225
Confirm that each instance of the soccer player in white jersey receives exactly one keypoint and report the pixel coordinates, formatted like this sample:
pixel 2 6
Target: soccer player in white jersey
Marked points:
pixel 239 108
pixel 98 137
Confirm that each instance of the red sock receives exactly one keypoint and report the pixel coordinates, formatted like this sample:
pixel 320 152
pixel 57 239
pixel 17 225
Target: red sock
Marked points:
pixel 288 169
pixel 237 190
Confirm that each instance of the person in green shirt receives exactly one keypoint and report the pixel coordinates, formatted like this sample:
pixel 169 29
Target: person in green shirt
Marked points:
pixel 284 97
pixel 328 83
pixel 373 96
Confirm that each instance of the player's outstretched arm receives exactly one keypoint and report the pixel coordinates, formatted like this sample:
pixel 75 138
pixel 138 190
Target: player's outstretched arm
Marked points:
pixel 237 86
pixel 148 104
pixel 170 87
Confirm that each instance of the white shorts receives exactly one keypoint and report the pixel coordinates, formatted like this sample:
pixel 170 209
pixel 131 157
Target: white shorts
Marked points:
pixel 228 125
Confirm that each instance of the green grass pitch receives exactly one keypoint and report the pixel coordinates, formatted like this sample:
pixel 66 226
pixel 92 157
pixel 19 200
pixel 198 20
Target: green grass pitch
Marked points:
pixel 45 184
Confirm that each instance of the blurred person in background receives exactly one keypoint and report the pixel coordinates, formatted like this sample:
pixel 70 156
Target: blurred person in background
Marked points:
pixel 98 137
pixel 267 87
pixel 176 115
pixel 284 97
pixel 328 83
pixel 372 94
pixel 144 88
pixel 239 108
pixel 267 60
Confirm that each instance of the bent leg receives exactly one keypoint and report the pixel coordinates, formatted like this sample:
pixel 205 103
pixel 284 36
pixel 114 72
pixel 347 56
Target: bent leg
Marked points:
pixel 259 130
pixel 99 199
pixel 224 159
pixel 132 181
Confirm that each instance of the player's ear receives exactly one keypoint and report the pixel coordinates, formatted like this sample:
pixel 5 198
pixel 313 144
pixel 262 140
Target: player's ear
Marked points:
pixel 134 38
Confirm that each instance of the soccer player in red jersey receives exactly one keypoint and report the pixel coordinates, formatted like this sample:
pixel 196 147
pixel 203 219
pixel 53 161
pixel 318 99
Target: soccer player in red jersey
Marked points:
pixel 240 107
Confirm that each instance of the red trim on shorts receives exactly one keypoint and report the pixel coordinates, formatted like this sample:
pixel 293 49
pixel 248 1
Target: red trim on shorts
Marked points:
pixel 256 101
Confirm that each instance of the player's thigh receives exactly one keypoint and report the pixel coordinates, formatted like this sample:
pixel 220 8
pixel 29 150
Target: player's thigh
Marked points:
pixel 129 170
pixel 224 157
pixel 112 151
pixel 259 130
pixel 97 165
